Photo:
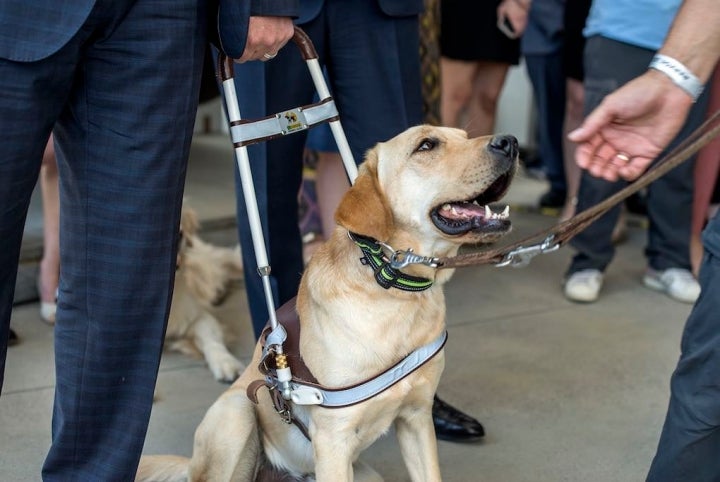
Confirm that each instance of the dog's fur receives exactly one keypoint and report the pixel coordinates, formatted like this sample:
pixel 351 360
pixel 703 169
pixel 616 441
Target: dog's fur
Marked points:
pixel 353 329
pixel 202 279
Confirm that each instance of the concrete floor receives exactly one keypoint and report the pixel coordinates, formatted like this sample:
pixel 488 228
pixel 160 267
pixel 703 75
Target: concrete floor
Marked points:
pixel 567 392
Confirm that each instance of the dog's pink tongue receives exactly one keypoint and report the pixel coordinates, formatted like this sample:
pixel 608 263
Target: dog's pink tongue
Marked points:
pixel 463 211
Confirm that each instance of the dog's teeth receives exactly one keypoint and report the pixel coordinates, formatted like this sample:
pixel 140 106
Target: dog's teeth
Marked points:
pixel 453 210
pixel 446 207
pixel 489 214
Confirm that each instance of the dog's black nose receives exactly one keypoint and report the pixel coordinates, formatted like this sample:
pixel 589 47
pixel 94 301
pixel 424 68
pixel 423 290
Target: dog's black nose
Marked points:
pixel 505 145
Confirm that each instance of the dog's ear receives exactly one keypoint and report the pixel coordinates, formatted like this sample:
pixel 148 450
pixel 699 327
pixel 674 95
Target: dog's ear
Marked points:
pixel 364 208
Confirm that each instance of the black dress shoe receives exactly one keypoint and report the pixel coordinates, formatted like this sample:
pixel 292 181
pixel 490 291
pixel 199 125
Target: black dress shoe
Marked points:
pixel 453 425
pixel 13 339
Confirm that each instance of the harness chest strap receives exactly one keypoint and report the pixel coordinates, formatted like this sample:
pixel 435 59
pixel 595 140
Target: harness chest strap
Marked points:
pixel 351 395
pixel 307 391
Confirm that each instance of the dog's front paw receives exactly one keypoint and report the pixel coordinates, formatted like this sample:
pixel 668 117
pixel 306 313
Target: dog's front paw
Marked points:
pixel 225 367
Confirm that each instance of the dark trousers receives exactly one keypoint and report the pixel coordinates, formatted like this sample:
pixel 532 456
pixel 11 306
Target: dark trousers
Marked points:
pixel 121 96
pixel 548 80
pixel 690 441
pixel 373 65
pixel 608 65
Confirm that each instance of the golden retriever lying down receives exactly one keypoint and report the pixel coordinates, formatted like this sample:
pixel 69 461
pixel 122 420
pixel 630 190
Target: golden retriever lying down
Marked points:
pixel 426 189
pixel 203 275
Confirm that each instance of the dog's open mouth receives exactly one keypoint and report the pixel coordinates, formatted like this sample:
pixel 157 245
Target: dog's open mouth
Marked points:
pixel 461 217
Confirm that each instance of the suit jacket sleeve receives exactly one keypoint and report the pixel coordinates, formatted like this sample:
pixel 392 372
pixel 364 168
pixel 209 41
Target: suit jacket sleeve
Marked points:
pixel 31 31
pixel 233 17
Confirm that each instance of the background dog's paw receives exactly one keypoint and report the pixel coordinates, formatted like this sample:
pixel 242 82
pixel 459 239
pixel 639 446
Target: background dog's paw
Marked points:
pixel 226 368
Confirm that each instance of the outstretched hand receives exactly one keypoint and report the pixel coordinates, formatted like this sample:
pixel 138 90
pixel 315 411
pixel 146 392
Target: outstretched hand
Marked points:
pixel 266 35
pixel 631 127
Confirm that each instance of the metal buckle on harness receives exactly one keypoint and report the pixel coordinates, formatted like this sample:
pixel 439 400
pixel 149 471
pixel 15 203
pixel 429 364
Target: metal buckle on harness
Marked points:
pixel 304 395
pixel 282 408
pixel 519 257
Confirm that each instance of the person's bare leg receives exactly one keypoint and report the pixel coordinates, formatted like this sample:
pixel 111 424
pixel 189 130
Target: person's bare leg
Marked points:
pixel 456 89
pixel 50 263
pixel 573 119
pixel 487 86
pixel 331 183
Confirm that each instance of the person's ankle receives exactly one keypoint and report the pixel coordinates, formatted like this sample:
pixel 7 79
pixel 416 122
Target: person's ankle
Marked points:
pixel 47 282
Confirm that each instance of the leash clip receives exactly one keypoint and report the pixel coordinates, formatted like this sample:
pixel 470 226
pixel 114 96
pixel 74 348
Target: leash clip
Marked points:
pixel 520 257
pixel 401 259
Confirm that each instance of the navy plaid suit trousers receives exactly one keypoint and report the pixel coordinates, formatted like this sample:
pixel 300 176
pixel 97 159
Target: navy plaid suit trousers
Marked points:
pixel 121 94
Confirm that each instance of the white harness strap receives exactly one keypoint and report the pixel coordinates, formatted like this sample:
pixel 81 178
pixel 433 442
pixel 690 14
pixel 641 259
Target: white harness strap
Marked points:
pixel 283 123
pixel 306 394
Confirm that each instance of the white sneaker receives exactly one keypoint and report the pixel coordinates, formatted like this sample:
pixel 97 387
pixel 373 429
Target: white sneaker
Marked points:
pixel 677 283
pixel 584 285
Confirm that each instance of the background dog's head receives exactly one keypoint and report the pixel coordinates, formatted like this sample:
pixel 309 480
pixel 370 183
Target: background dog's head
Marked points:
pixel 206 269
pixel 429 188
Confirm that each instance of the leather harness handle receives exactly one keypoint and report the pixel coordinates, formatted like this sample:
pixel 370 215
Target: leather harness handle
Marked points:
pixel 300 38
pixel 561 233
pixel 303 42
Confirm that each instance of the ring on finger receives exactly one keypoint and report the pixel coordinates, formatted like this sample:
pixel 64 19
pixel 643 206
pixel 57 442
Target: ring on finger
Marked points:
pixel 623 157
pixel 270 56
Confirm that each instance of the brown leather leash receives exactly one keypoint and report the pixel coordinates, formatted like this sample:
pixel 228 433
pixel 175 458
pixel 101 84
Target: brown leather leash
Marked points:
pixel 520 253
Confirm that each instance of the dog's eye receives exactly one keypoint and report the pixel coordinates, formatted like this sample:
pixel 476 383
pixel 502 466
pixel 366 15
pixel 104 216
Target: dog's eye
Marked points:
pixel 427 145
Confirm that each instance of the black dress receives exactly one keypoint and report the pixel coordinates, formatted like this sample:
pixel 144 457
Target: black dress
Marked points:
pixel 576 12
pixel 468 31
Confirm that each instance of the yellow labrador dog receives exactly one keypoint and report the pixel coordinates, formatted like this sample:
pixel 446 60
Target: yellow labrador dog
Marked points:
pixel 426 189
pixel 204 273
